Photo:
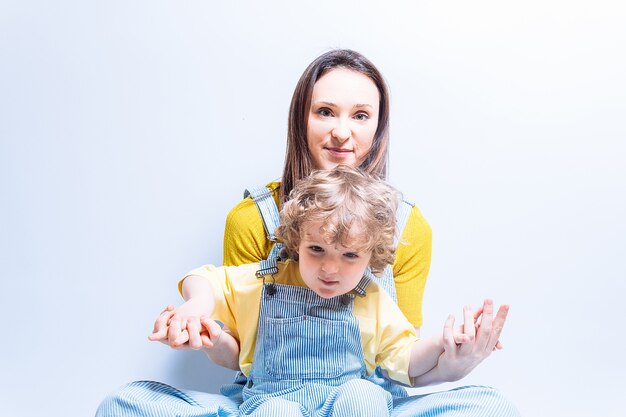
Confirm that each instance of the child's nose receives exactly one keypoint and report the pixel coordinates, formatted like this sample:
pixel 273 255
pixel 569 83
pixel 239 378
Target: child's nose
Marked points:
pixel 330 267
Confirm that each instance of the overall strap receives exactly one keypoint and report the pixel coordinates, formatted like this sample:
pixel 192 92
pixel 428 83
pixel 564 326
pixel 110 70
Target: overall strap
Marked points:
pixel 362 285
pixel 270 216
pixel 402 216
pixel 266 205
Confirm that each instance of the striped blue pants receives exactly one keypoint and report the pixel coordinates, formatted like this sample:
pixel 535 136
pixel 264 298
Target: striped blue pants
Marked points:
pixel 154 399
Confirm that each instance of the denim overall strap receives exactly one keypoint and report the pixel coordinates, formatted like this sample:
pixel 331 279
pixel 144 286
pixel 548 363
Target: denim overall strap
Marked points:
pixel 268 210
pixel 386 280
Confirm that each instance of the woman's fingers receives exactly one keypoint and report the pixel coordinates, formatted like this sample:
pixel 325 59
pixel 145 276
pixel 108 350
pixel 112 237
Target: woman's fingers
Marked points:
pixel 483 336
pixel 211 326
pixel 213 332
pixel 182 339
pixel 448 335
pixel 477 314
pixel 496 328
pixel 469 328
pixel 175 334
pixel 159 332
pixel 193 329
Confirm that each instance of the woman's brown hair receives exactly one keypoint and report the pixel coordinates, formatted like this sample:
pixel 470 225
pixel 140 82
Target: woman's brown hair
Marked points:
pixel 298 161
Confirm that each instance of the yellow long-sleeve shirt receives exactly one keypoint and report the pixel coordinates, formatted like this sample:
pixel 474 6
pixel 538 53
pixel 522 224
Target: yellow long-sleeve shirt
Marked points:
pixel 245 241
pixel 387 337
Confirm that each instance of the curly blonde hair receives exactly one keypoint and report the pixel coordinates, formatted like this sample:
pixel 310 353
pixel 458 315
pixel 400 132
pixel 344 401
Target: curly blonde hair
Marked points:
pixel 343 198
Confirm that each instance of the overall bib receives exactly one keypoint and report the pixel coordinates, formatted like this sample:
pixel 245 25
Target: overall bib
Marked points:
pixel 308 359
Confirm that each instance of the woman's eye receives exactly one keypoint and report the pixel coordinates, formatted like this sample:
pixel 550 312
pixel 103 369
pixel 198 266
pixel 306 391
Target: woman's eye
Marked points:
pixel 361 116
pixel 324 112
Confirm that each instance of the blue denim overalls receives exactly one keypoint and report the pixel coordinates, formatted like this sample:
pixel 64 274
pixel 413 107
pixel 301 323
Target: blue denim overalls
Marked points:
pixel 308 359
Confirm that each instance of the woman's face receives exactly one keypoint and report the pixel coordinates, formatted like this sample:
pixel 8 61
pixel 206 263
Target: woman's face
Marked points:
pixel 342 119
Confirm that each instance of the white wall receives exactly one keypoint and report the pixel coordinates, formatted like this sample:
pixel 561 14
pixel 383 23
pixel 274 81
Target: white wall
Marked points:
pixel 128 129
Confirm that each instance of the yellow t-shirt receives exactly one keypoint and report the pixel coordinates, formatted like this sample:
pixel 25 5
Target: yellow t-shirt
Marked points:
pixel 386 335
pixel 245 241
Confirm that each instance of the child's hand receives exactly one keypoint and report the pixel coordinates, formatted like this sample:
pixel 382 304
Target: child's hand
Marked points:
pixel 180 327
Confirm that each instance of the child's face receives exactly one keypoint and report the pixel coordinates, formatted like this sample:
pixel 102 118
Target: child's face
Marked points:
pixel 329 269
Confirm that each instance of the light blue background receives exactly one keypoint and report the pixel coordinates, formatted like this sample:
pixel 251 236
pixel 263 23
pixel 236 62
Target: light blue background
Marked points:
pixel 129 128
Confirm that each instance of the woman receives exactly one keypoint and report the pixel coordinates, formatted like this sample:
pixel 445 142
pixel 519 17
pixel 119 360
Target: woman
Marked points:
pixel 339 114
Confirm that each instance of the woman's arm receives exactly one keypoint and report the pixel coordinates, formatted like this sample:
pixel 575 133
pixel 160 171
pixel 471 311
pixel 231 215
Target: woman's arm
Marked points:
pixel 220 346
pixel 412 264
pixel 245 239
pixel 425 353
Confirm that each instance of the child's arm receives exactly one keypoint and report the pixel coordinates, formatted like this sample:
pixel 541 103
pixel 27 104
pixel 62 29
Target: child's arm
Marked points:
pixel 457 360
pixel 188 326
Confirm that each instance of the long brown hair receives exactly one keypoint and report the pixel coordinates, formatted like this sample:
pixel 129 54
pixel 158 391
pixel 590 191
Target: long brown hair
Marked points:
pixel 298 161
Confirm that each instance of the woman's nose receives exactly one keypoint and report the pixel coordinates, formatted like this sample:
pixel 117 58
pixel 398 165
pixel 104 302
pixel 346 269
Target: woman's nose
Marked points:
pixel 342 131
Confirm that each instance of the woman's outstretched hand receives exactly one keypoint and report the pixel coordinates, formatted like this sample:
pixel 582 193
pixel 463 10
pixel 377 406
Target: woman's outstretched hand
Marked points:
pixel 181 327
pixel 482 331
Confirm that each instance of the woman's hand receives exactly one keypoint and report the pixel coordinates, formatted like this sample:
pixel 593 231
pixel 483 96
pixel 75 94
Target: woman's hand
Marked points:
pixel 482 332
pixel 212 333
pixel 181 327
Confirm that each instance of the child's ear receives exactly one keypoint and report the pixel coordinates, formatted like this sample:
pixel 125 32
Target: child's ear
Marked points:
pixel 285 254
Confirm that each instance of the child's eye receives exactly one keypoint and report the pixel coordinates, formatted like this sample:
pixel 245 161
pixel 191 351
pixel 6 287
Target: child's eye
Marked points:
pixel 316 249
pixel 351 255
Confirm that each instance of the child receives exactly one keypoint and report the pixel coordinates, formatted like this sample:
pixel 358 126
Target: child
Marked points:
pixel 314 325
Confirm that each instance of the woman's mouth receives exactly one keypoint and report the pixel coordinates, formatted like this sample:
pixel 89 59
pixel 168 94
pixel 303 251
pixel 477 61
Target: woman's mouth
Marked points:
pixel 339 153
